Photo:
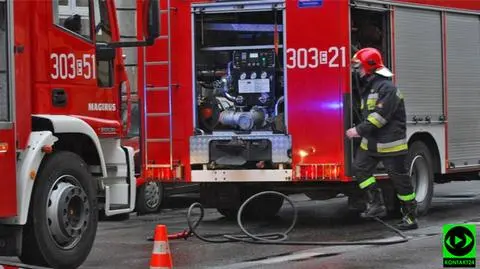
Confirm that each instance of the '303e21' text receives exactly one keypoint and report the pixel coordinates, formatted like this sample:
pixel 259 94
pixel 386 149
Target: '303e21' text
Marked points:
pixel 303 58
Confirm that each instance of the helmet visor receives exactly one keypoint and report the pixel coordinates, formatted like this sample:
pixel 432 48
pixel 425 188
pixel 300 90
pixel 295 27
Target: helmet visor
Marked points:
pixel 383 71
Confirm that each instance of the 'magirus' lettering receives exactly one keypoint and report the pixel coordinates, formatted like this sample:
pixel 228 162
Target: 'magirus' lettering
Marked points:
pixel 101 107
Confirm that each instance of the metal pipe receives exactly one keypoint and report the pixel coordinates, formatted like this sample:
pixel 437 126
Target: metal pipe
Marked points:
pixel 225 81
pixel 280 100
pixel 229 97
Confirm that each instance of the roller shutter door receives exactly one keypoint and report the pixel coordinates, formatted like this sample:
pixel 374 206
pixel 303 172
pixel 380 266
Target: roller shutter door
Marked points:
pixel 418 61
pixel 463 62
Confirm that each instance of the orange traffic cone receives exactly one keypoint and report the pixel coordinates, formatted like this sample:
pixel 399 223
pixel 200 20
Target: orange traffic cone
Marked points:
pixel 161 258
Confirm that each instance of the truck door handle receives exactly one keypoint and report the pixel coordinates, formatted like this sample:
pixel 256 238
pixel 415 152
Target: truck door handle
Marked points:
pixel 19 48
pixel 59 97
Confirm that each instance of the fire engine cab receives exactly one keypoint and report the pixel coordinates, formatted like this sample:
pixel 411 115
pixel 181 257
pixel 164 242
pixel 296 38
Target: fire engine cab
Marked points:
pixel 245 96
pixel 61 119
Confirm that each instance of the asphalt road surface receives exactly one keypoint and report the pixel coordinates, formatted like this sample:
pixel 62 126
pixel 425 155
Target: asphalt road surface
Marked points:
pixel 124 244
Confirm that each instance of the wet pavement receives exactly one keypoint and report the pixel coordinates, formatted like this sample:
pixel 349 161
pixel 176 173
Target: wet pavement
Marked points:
pixel 124 244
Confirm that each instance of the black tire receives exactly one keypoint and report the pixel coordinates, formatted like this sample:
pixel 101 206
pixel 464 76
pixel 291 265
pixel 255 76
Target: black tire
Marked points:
pixel 261 208
pixel 420 165
pixel 144 204
pixel 228 213
pixel 73 184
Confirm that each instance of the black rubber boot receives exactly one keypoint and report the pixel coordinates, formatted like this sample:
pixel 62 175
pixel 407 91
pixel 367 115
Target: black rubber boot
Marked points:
pixel 409 213
pixel 375 204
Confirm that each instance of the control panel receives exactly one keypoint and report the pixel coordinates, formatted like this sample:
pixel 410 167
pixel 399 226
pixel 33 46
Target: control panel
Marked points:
pixel 253 76
pixel 251 59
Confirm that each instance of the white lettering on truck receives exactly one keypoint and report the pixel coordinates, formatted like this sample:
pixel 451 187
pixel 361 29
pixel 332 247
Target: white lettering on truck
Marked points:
pixel 68 66
pixel 302 58
pixel 101 107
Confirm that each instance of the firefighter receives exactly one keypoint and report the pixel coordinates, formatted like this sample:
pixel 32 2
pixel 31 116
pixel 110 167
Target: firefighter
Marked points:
pixel 383 138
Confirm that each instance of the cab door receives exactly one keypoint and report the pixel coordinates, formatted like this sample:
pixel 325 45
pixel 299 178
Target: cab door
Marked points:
pixel 81 82
pixel 8 200
pixel 72 57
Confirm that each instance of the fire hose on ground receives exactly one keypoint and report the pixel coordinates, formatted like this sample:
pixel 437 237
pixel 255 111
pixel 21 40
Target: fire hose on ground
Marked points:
pixel 274 238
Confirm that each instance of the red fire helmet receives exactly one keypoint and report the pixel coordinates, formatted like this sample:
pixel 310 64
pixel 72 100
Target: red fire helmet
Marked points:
pixel 372 62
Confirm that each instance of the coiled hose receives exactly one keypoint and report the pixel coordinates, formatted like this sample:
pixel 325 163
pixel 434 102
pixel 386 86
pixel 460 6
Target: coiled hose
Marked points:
pixel 278 238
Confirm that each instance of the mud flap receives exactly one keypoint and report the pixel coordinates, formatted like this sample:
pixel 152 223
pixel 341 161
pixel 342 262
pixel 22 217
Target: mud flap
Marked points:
pixel 10 240
pixel 120 185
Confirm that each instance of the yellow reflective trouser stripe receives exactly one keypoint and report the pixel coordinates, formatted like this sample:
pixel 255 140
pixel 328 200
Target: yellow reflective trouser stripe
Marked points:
pixel 393 149
pixel 407 197
pixel 368 182
pixel 395 146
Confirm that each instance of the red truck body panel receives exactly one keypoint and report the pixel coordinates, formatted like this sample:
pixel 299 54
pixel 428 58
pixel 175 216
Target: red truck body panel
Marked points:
pixel 8 199
pixel 317 78
pixel 23 70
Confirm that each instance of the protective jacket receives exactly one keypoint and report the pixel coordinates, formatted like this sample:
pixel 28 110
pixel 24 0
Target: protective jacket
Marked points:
pixel 383 129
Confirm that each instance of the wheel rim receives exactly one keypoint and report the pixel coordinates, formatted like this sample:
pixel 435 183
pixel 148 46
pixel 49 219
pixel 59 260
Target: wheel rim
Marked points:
pixel 67 212
pixel 420 177
pixel 152 195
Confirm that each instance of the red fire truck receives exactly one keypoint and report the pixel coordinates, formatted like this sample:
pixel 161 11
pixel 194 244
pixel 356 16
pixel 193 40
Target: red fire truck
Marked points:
pixel 61 81
pixel 244 96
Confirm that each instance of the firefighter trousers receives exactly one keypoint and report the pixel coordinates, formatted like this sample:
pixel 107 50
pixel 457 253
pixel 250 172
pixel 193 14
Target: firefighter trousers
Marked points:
pixel 366 163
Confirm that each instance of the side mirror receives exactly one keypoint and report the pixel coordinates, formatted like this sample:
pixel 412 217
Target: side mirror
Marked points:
pixel 151 25
pixel 104 52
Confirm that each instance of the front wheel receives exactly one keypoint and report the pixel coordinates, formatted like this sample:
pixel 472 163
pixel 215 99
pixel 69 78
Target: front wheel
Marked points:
pixel 63 214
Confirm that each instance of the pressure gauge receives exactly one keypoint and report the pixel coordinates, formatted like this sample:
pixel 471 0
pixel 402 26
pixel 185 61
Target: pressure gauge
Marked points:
pixel 253 75
pixel 243 76
pixel 264 75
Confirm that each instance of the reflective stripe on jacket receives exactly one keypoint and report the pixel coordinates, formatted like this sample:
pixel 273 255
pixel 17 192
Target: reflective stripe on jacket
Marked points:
pixel 383 129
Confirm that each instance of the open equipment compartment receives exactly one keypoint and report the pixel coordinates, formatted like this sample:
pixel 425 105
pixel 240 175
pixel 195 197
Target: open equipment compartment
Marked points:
pixel 238 89
pixel 239 72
